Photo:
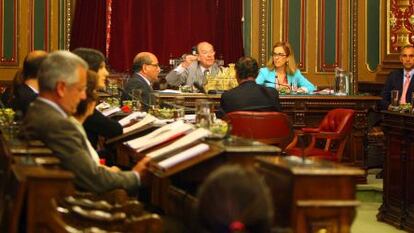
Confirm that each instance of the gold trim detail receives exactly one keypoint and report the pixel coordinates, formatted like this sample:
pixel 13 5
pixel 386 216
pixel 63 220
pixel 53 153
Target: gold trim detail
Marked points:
pixel 67 22
pixel 262 32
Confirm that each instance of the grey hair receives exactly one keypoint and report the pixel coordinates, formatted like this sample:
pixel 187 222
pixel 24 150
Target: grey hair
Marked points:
pixel 59 66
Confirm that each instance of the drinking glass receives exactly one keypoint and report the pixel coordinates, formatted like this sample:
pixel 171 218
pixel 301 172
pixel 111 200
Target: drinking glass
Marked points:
pixel 203 113
pixel 394 98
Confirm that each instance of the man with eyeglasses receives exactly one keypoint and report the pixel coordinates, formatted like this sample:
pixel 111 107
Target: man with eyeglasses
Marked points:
pixel 194 69
pixel 400 79
pixel 146 69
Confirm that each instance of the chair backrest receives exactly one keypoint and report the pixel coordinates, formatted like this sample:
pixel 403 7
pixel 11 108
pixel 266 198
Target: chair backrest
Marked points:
pixel 338 120
pixel 268 127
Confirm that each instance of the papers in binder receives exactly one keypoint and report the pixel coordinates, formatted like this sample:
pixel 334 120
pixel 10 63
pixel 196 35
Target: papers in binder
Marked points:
pixel 127 120
pixel 110 111
pixel 183 156
pixel 188 139
pixel 148 119
pixel 160 135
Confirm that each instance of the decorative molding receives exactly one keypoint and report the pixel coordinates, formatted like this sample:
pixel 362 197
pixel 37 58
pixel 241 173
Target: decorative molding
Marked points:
pixel 301 60
pixel 46 36
pixel 66 22
pixel 13 60
pixel 262 32
pixel 322 64
pixel 354 45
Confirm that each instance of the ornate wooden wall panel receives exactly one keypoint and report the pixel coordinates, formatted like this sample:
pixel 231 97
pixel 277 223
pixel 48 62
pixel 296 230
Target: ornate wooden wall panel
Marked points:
pixel 330 29
pixel 31 24
pixel 9 32
pixel 295 29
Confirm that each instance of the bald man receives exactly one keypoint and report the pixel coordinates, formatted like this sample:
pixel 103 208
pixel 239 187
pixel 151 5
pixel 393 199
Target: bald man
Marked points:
pixel 195 68
pixel 146 69
pixel 24 93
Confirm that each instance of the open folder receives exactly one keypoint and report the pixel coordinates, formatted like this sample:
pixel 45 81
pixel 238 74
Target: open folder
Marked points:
pixel 131 117
pixel 160 135
pixel 148 119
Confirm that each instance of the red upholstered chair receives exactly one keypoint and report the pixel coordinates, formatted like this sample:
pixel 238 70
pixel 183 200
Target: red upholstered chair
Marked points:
pixel 272 128
pixel 334 129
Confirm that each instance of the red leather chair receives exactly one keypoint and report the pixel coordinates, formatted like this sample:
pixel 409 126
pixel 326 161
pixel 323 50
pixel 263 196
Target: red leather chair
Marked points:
pixel 272 128
pixel 334 129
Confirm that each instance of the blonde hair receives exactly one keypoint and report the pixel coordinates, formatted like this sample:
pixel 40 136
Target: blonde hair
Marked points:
pixel 291 64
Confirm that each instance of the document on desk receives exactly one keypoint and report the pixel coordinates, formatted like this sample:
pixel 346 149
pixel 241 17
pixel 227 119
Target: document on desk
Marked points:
pixel 133 116
pixel 110 111
pixel 148 119
pixel 183 156
pixel 188 139
pixel 160 135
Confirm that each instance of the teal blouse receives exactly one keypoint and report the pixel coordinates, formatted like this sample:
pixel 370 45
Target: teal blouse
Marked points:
pixel 267 78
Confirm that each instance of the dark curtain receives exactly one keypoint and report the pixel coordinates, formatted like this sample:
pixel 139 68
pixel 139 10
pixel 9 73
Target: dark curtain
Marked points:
pixel 89 25
pixel 169 28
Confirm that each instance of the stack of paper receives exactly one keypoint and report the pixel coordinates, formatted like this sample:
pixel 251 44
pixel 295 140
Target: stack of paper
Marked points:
pixel 160 135
pixel 188 139
pixel 183 156
pixel 133 116
pixel 148 119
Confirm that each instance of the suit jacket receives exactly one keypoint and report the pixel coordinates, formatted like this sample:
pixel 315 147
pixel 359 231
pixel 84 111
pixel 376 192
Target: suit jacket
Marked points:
pixel 138 82
pixel 23 96
pixel 190 75
pixel 99 125
pixel 249 96
pixel 45 123
pixel 395 82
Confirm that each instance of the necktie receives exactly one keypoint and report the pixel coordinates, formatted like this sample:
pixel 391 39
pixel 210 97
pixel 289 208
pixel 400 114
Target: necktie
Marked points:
pixel 405 88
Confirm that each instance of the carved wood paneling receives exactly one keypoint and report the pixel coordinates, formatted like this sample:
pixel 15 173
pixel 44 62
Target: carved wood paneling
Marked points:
pixel 6 44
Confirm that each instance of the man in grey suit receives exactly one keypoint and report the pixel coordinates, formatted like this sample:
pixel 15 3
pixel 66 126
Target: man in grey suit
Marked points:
pixel 146 70
pixel 195 68
pixel 62 84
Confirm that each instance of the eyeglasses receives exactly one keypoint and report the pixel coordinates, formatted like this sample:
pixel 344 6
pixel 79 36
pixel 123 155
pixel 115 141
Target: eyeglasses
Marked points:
pixel 278 55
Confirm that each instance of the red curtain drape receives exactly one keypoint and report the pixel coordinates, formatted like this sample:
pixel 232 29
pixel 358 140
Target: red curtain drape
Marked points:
pixel 166 28
pixel 89 25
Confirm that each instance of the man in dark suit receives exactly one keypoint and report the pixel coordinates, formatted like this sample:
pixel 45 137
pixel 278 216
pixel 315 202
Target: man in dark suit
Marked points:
pixel 248 96
pixel 62 83
pixel 146 69
pixel 400 78
pixel 26 92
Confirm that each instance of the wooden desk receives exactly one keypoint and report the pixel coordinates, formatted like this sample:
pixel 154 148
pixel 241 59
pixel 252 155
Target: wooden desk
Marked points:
pixel 398 201
pixel 308 111
pixel 311 196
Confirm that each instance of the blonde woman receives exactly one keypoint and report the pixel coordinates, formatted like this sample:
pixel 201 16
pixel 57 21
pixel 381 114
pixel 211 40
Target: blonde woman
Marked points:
pixel 281 71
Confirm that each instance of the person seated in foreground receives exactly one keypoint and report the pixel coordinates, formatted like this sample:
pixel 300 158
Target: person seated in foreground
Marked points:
pixel 281 72
pixel 97 124
pixel 234 199
pixel 85 109
pixel 195 68
pixel 248 96
pixel 146 69
pixel 62 85
pixel 26 92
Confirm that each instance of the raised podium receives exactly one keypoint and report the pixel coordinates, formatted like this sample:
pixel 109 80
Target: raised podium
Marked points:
pixel 398 201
